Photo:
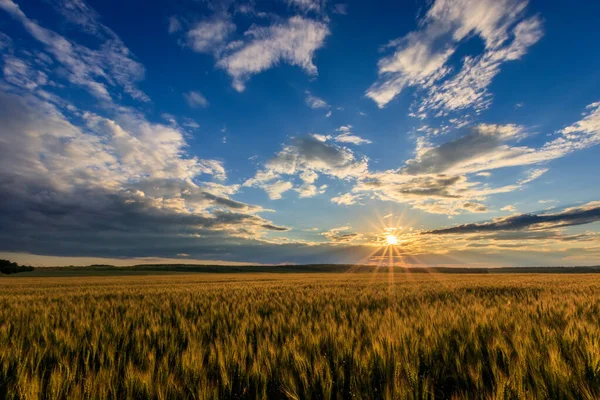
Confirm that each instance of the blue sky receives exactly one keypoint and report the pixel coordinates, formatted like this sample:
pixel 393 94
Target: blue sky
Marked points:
pixel 300 131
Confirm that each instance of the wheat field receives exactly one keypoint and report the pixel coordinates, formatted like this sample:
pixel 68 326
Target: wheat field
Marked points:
pixel 301 336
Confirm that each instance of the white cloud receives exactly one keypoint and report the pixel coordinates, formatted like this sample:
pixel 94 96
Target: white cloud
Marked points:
pixel 315 102
pixel 421 57
pixel 293 41
pixel 195 99
pixel 346 136
pixel 307 5
pixel 307 157
pixel 310 190
pixel 20 73
pixel 345 199
pixel 210 36
pixel 190 123
pixel 41 145
pixel 469 88
pixel 275 189
pixel 533 175
pixel 586 129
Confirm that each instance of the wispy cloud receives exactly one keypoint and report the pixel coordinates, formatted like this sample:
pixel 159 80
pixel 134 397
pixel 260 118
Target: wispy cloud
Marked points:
pixel 315 102
pixel 293 41
pixel 421 58
pixel 340 8
pixel 307 5
pixel 346 136
pixel 111 65
pixel 195 99
pixel 175 24
pixel 210 36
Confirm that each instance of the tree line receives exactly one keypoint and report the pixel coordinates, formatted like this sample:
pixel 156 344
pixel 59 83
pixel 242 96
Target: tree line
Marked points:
pixel 8 267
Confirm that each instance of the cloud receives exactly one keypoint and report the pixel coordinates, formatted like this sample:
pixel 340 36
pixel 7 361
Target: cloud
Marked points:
pixel 310 190
pixel 307 5
pixel 475 207
pixel 341 9
pixel 509 208
pixel 275 189
pixel 112 185
pixel 342 235
pixel 41 144
pixel 210 36
pixel 345 199
pixel 315 102
pixel 190 123
pixel 79 13
pixel 308 157
pixel 293 41
pixel 421 58
pixel 533 175
pixel 473 152
pixel 174 25
pixel 195 99
pixel 437 179
pixel 111 65
pixel 20 73
pixel 441 179
pixel 580 215
pixel 346 136
pixel 469 87
pixel 587 129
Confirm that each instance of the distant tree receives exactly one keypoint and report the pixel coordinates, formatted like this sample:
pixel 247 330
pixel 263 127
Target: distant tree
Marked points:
pixel 8 267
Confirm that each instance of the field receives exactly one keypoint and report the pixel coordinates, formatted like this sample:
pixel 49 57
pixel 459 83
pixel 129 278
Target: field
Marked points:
pixel 301 336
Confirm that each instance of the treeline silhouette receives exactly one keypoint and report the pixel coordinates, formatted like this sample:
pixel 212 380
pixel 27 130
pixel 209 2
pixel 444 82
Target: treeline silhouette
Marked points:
pixel 7 267
pixel 303 268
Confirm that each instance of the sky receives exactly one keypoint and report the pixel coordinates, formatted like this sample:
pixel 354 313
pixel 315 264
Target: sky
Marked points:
pixel 439 133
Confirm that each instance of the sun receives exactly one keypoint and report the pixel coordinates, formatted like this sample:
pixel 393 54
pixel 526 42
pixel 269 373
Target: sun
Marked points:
pixel 391 240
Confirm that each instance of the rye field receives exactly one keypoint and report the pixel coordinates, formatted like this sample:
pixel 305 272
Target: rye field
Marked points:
pixel 301 336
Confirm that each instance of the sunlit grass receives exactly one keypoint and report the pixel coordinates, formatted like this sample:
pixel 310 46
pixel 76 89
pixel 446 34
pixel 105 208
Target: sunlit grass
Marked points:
pixel 300 336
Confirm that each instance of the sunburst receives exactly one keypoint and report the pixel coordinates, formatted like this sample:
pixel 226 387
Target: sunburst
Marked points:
pixel 391 240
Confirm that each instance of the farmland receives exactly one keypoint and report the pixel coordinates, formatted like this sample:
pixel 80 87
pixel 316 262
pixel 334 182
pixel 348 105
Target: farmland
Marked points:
pixel 300 335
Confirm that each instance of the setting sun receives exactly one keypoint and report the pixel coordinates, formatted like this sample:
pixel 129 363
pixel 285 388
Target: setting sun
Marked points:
pixel 391 240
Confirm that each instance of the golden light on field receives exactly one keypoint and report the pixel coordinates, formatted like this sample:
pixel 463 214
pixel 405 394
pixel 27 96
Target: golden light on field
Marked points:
pixel 391 240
